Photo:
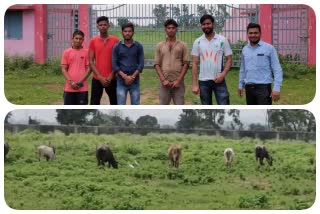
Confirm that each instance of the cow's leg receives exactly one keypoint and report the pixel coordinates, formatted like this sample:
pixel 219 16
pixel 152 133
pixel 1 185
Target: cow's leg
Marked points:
pixel 261 161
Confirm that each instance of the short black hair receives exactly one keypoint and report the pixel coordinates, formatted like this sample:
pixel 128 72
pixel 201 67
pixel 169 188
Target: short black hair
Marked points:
pixel 129 24
pixel 206 16
pixel 102 18
pixel 77 32
pixel 253 25
pixel 171 22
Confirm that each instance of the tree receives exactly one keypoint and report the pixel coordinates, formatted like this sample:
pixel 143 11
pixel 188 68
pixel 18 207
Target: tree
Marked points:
pixel 99 118
pixel 211 118
pixel 160 12
pixel 186 19
pixel 33 121
pixel 291 120
pixel 188 119
pixel 6 120
pixel 147 121
pixel 207 118
pixel 220 14
pixel 256 127
pixel 121 21
pixel 128 122
pixel 235 123
pixel 116 117
pixel 202 10
pixel 175 12
pixel 74 116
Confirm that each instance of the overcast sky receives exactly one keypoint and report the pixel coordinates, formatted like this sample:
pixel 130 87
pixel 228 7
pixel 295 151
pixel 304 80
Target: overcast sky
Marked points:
pixel 164 116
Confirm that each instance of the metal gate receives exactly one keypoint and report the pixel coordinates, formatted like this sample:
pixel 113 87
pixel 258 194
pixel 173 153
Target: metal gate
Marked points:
pixel 231 21
pixel 290 32
pixel 62 20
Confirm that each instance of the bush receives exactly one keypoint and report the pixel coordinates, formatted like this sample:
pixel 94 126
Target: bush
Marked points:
pixel 26 64
pixel 296 71
pixel 133 150
pixel 17 63
pixel 254 202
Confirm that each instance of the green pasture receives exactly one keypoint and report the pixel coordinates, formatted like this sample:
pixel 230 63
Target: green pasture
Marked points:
pixel 73 181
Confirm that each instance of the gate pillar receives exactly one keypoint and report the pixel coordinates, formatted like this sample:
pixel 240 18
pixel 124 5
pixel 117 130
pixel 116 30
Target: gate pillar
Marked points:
pixel 84 22
pixel 265 20
pixel 311 37
pixel 40 22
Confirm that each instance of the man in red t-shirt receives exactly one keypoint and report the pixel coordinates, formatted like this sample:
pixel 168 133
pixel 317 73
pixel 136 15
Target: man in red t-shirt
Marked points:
pixel 100 57
pixel 75 69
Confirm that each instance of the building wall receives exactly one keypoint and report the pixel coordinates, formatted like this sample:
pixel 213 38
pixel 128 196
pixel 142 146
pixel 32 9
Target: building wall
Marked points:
pixel 24 47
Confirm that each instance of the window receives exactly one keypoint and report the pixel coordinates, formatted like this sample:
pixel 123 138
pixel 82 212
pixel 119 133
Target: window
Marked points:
pixel 13 25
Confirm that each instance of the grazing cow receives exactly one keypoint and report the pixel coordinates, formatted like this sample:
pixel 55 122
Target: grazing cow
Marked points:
pixel 104 154
pixel 48 152
pixel 261 153
pixel 6 149
pixel 228 156
pixel 174 153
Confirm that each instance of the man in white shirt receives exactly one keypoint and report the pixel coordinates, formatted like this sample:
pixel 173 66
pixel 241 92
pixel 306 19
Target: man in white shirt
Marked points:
pixel 210 49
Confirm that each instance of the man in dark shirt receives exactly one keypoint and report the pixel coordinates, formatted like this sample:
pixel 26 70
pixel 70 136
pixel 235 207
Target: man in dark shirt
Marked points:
pixel 128 62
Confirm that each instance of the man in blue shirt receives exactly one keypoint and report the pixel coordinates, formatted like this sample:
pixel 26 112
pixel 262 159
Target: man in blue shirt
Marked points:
pixel 259 68
pixel 128 62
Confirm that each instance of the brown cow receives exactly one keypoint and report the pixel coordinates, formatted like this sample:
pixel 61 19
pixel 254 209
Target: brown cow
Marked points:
pixel 174 153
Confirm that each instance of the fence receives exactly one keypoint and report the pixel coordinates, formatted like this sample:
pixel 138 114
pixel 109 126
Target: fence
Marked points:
pixel 231 21
pixel 263 135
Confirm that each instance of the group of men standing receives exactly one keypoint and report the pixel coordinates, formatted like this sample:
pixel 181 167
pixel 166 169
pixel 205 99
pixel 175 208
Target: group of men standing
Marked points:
pixel 117 65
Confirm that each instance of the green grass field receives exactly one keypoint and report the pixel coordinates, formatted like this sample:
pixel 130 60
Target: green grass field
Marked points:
pixel 36 88
pixel 74 181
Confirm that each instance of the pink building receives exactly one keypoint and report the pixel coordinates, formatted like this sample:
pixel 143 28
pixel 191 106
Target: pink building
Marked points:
pixel 19 30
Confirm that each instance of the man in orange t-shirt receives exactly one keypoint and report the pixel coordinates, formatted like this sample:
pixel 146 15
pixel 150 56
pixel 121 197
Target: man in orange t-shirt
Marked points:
pixel 75 69
pixel 100 57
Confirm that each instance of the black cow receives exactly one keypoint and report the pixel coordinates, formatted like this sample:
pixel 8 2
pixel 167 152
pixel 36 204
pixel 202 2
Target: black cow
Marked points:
pixel 6 149
pixel 104 154
pixel 261 153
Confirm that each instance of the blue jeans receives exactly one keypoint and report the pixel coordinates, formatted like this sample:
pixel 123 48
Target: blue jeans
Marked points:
pixel 123 89
pixel 220 92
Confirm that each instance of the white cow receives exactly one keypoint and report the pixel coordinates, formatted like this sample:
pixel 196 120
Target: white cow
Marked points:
pixel 48 152
pixel 228 156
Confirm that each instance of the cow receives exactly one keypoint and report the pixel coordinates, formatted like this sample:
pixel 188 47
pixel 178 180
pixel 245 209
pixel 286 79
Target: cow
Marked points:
pixel 6 149
pixel 261 153
pixel 228 156
pixel 174 153
pixel 48 152
pixel 104 154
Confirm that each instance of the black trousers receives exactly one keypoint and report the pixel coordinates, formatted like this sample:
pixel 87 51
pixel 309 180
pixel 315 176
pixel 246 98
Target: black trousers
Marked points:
pixel 258 94
pixel 97 90
pixel 75 98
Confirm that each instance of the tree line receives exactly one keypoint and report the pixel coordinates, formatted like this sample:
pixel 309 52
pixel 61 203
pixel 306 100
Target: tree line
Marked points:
pixel 295 120
pixel 276 120
pixel 183 15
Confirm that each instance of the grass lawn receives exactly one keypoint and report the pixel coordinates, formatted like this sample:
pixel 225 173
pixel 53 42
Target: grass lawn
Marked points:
pixel 47 89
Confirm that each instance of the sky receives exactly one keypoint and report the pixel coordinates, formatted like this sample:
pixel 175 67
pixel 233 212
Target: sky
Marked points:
pixel 164 116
